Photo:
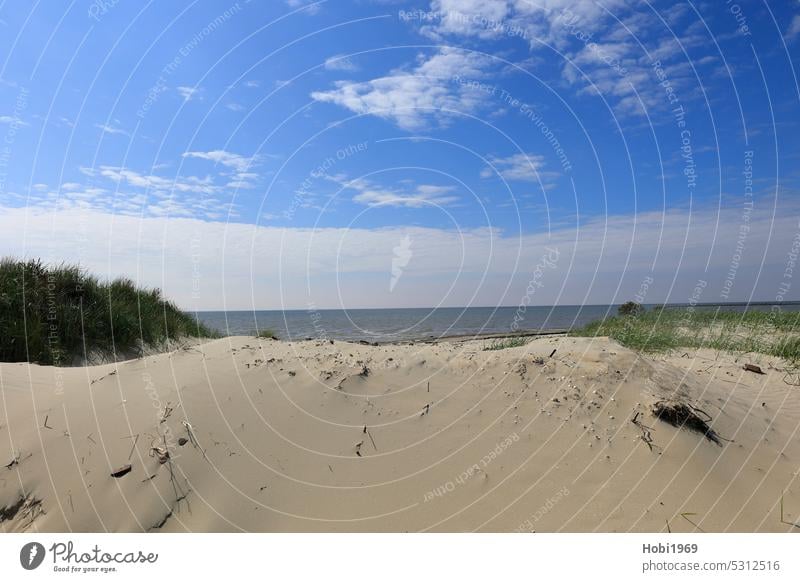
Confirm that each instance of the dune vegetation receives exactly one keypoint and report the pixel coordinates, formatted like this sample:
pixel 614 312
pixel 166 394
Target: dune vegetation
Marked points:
pixel 504 343
pixel 59 314
pixel 775 332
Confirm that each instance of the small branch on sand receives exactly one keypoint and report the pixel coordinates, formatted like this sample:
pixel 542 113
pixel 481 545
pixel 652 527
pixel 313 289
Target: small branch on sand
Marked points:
pixel 165 414
pixel 685 516
pixel 30 511
pixel 103 377
pixel 193 438
pixel 133 448
pixel 369 434
pixel 17 459
pixel 358 448
pixel 426 410
pixel 14 461
pixel 180 494
pixel 791 378
pixel 47 416
pixel 646 435
pixel 783 520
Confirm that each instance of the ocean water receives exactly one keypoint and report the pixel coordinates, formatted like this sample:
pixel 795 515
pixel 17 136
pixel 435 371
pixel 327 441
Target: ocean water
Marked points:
pixel 388 325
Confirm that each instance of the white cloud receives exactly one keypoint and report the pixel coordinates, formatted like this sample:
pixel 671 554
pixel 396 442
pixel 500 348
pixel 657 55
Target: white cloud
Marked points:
pixel 611 42
pixel 311 6
pixel 188 93
pixel 519 167
pixel 515 18
pixel 420 196
pixel 411 98
pixel 794 28
pixel 153 182
pixel 110 129
pixel 136 195
pixel 240 177
pixel 468 17
pixel 8 119
pixel 408 195
pixel 241 266
pixel 231 160
pixel 149 194
pixel 235 106
pixel 340 63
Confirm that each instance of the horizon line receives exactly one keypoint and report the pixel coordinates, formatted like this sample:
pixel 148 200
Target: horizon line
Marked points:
pixel 710 304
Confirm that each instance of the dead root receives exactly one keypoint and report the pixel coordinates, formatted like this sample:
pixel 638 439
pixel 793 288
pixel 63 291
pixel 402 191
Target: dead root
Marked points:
pixel 682 415
pixel 646 435
pixel 22 513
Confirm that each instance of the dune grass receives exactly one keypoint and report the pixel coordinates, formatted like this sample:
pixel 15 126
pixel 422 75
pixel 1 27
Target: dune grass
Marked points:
pixel 54 314
pixel 775 333
pixel 502 344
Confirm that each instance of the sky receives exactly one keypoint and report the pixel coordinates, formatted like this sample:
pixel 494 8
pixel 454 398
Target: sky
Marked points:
pixel 373 153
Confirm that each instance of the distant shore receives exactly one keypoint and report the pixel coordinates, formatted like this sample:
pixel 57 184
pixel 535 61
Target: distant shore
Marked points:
pixel 417 324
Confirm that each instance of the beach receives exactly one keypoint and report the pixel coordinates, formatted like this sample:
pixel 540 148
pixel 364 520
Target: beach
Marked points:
pixel 247 434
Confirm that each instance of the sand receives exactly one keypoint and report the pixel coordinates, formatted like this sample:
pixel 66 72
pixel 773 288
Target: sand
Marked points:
pixel 242 434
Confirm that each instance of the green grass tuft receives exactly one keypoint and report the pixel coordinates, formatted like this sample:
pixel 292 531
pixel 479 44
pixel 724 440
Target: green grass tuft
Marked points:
pixel 55 314
pixel 502 344
pixel 267 334
pixel 775 333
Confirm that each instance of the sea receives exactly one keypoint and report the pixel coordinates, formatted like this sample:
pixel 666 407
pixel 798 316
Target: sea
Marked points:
pixel 413 324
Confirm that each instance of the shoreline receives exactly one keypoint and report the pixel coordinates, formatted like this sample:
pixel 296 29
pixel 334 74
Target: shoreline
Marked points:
pixel 480 336
pixel 493 307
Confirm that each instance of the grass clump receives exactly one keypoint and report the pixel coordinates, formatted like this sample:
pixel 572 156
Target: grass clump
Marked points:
pixel 267 334
pixel 631 308
pixel 502 344
pixel 57 314
pixel 775 333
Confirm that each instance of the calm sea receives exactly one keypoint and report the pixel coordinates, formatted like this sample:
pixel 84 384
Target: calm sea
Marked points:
pixel 386 325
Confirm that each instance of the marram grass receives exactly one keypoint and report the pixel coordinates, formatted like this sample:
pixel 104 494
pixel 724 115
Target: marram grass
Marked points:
pixel 502 344
pixel 59 314
pixel 775 333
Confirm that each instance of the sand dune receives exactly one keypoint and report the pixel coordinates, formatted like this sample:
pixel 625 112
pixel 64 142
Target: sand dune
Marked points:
pixel 242 434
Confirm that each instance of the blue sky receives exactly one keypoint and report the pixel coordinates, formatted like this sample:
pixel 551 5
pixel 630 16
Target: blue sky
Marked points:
pixel 277 154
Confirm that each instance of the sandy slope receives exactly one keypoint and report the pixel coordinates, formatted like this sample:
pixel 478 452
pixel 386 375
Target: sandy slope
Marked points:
pixel 457 439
